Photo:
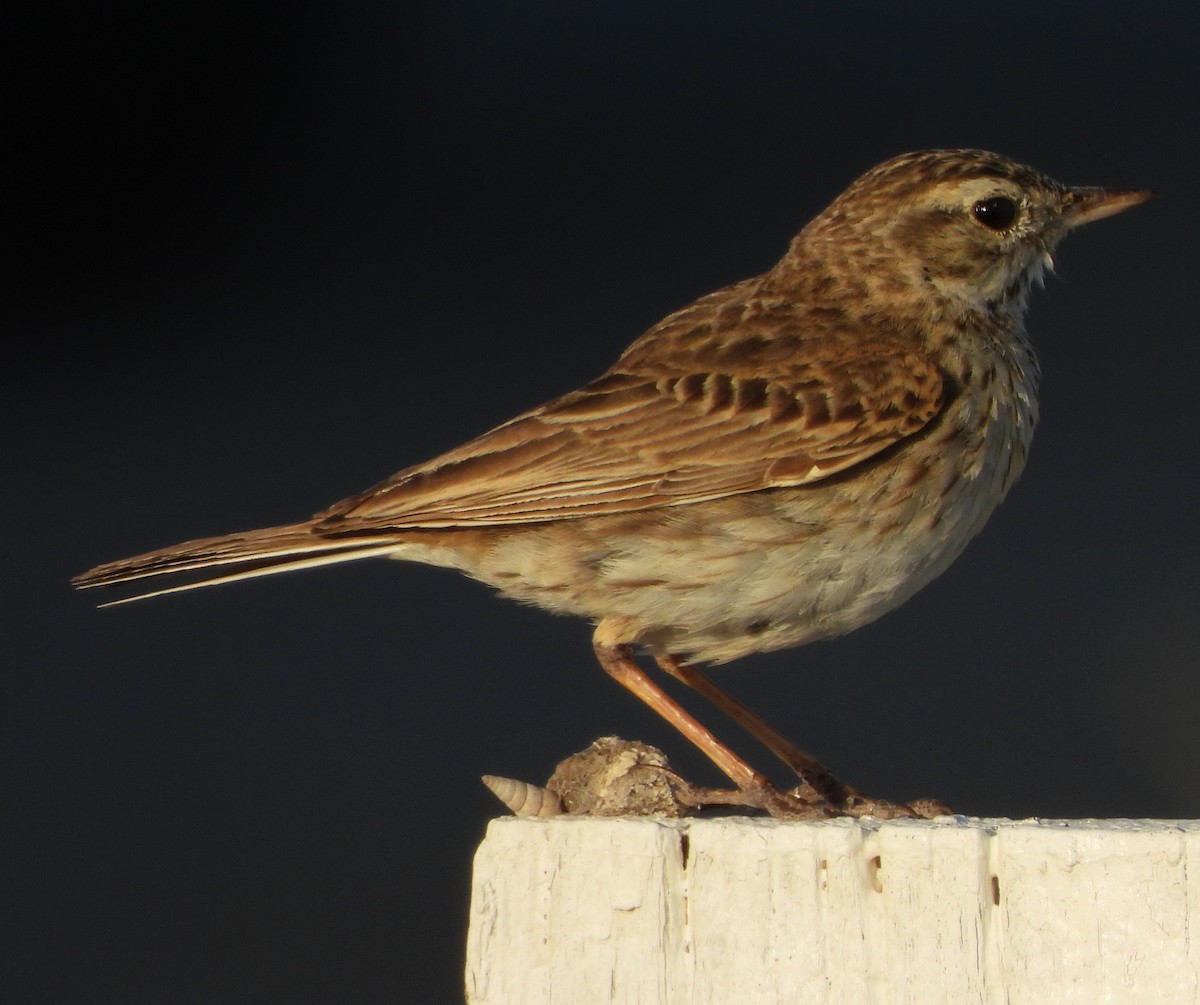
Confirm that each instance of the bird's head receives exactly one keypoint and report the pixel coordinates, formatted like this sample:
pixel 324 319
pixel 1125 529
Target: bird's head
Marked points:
pixel 967 228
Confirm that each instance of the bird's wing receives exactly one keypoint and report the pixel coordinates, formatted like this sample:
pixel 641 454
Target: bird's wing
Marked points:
pixel 668 426
pixel 732 394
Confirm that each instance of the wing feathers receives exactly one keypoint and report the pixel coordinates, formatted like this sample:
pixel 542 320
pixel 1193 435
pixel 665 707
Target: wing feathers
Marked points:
pixel 740 392
pixel 637 443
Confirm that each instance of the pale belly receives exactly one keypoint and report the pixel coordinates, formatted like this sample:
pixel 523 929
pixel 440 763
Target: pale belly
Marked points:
pixel 716 580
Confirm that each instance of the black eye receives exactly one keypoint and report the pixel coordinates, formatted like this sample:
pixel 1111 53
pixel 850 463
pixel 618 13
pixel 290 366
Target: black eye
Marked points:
pixel 996 213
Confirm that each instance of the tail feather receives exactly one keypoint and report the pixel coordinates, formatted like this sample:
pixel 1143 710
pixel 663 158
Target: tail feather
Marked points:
pixel 252 553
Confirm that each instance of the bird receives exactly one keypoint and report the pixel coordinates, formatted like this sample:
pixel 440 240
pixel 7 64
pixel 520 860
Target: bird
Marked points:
pixel 783 460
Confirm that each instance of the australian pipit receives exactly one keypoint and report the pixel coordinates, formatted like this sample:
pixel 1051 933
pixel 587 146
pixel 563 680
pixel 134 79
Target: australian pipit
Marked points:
pixel 783 460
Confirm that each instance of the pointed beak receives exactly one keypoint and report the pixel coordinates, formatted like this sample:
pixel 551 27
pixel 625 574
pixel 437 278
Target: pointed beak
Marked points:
pixel 1083 205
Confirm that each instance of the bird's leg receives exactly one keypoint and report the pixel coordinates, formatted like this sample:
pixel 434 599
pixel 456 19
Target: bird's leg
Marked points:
pixel 825 785
pixel 616 657
pixel 820 786
pixel 820 794
pixel 617 660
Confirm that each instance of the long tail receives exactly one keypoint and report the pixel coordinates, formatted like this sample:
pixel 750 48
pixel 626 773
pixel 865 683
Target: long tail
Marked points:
pixel 253 553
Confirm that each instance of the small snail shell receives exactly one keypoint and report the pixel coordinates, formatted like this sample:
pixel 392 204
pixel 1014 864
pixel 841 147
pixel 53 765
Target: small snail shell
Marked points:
pixel 523 799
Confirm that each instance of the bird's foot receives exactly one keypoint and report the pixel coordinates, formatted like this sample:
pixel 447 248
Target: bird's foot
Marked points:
pixel 615 777
pixel 806 803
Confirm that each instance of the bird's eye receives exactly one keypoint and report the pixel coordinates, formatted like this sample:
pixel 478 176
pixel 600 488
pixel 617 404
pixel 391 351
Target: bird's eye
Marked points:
pixel 996 213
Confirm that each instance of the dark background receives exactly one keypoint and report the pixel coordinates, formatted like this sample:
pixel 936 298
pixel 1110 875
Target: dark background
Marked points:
pixel 268 255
